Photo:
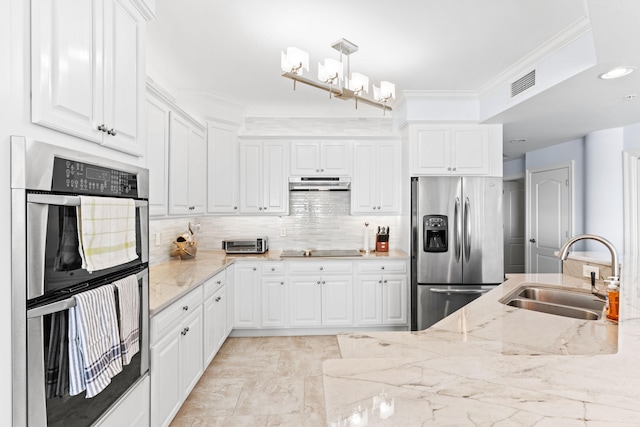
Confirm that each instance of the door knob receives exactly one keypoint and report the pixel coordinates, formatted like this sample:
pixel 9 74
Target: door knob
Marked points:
pixel 532 240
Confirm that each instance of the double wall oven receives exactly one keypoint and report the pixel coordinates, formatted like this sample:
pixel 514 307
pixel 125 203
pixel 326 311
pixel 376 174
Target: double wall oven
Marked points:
pixel 47 274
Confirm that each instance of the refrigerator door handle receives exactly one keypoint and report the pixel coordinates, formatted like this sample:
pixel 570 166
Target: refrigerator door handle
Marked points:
pixel 457 224
pixel 467 230
pixel 458 291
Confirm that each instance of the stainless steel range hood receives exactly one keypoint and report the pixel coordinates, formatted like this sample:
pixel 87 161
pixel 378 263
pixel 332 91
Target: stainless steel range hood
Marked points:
pixel 319 183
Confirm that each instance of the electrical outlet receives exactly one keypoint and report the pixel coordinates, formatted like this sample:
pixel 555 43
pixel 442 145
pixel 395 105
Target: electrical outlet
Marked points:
pixel 157 239
pixel 587 269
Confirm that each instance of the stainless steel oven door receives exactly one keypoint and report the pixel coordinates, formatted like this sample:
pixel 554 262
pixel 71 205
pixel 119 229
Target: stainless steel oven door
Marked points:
pixel 67 411
pixel 43 231
pixel 435 302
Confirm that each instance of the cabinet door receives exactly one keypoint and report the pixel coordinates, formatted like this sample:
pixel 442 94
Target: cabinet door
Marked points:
pixel 305 308
pixel 394 308
pixel 337 301
pixel 274 302
pixel 208 327
pixel 166 388
pixel 364 191
pixel 275 197
pixel 220 323
pixel 197 171
pixel 230 299
pixel 247 296
pixel 305 158
pixel 66 77
pixel 251 185
pixel 431 153
pixel 388 177
pixel 335 159
pixel 470 150
pixel 222 184
pixel 123 84
pixel 158 155
pixel 179 165
pixel 191 351
pixel 368 301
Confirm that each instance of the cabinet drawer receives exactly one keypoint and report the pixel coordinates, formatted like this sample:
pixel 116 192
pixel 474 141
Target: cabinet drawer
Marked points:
pixel 215 283
pixel 382 267
pixel 163 322
pixel 273 268
pixel 324 267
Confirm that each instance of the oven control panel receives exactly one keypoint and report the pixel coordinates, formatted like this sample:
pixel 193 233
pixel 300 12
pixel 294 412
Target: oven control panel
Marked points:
pixel 71 176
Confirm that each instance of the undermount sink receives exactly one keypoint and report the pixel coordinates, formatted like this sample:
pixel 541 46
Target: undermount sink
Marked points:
pixel 561 301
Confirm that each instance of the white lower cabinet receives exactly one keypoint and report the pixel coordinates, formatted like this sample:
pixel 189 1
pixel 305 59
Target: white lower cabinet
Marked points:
pixel 381 293
pixel 229 271
pixel 246 313
pixel 215 315
pixel 176 355
pixel 321 293
pixel 274 296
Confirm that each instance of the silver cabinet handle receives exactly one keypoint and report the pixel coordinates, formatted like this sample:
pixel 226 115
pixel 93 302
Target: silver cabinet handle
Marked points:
pixel 111 132
pixel 532 240
pixel 102 128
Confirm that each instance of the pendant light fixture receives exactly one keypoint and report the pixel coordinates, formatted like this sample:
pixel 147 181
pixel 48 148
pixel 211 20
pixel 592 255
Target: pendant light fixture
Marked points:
pixel 334 78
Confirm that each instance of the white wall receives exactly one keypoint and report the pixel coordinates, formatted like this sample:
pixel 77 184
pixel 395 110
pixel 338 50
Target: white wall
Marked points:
pixel 570 151
pixel 513 169
pixel 603 202
pixel 631 136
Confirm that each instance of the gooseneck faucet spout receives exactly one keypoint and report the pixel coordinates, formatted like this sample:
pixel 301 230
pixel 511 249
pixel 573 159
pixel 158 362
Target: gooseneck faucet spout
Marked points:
pixel 615 265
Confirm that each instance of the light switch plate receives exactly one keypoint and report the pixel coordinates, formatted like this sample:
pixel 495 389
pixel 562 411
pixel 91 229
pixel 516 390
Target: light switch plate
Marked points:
pixel 157 239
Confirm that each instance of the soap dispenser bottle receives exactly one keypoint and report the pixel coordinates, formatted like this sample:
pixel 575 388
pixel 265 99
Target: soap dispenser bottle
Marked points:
pixel 613 299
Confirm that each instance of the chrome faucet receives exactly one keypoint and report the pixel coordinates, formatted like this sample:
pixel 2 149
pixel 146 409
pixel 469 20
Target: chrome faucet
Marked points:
pixel 615 266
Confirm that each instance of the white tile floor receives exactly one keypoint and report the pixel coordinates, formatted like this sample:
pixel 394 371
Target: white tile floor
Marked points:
pixel 264 381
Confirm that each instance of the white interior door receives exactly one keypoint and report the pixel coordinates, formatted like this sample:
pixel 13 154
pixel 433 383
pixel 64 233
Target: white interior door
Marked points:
pixel 549 218
pixel 514 226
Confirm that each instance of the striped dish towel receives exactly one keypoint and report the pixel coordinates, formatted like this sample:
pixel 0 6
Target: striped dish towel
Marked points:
pixel 107 232
pixel 94 342
pixel 129 309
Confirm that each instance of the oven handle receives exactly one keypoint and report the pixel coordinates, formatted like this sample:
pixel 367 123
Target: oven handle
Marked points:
pixel 59 200
pixel 66 304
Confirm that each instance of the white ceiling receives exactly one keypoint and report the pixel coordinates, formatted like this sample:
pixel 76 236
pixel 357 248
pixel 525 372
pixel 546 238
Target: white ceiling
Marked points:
pixel 232 49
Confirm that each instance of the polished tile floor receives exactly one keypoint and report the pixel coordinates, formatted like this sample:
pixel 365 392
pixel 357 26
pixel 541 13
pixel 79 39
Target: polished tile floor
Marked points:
pixel 264 381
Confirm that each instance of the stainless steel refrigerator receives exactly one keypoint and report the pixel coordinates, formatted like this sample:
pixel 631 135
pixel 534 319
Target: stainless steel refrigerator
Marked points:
pixel 457 244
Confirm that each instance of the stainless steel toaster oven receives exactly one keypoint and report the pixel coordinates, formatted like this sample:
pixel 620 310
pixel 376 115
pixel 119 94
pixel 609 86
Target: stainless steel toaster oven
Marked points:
pixel 257 245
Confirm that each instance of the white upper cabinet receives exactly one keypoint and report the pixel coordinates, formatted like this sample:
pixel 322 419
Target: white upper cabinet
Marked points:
pixel 187 166
pixel 88 70
pixel 376 177
pixel 263 177
pixel 455 150
pixel 158 154
pixel 313 158
pixel 222 168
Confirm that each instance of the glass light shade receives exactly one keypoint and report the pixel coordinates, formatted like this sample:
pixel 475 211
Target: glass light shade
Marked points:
pixel 294 61
pixel 385 92
pixel 359 83
pixel 617 72
pixel 330 71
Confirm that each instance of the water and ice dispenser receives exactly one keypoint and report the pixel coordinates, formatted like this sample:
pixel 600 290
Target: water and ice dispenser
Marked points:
pixel 435 237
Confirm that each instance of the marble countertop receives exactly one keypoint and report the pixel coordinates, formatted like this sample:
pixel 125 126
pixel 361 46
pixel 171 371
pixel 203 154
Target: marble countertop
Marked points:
pixel 171 280
pixel 489 364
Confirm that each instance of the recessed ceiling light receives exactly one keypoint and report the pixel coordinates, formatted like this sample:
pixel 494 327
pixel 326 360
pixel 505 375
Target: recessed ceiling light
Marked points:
pixel 617 72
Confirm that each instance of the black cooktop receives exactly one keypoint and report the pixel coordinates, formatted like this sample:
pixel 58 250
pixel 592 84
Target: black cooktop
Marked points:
pixel 314 253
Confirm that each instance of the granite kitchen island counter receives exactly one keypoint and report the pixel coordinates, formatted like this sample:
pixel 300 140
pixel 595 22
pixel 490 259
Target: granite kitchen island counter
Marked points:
pixel 493 365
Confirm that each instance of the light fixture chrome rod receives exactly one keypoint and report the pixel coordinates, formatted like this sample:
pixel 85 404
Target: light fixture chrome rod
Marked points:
pixel 343 94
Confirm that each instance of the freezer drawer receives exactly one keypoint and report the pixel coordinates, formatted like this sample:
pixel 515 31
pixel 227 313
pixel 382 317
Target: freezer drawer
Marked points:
pixel 435 302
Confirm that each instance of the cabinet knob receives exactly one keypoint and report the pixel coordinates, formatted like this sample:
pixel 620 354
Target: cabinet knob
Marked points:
pixel 454 168
pixel 265 208
pixel 323 282
pixel 321 268
pixel 378 207
pixel 254 268
pixel 185 330
pixel 185 308
pixel 385 281
pixel 281 283
pixel 273 269
pixel 102 128
pixel 218 299
pixel 111 132
pixel 317 170
pixel 374 208
pixel 219 282
pixel 318 282
pixel 235 207
pixel 260 208
pixel 382 268
pixel 321 170
pixel 448 169
pixel 380 281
